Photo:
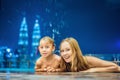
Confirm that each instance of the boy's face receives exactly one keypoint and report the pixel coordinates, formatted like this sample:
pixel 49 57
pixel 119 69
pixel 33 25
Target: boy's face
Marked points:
pixel 66 52
pixel 46 48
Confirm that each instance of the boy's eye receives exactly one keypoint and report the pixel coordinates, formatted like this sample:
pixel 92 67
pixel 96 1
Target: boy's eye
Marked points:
pixel 41 47
pixel 47 46
pixel 61 50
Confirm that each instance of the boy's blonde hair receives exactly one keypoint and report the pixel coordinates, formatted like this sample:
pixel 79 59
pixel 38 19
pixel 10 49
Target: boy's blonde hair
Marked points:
pixel 48 39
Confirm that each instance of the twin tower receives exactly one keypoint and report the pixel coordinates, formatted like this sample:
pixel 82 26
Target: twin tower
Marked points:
pixel 23 42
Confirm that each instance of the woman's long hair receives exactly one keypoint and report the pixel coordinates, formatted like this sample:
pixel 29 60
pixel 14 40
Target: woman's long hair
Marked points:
pixel 78 63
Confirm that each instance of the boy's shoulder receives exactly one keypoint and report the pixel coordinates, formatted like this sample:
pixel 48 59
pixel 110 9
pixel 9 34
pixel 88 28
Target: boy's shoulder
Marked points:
pixel 57 57
pixel 39 60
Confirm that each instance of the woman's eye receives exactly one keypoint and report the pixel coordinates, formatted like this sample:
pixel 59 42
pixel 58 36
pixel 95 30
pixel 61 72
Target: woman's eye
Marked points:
pixel 67 49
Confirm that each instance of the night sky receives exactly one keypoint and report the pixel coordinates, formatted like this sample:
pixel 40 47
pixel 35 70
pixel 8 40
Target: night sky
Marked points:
pixel 94 23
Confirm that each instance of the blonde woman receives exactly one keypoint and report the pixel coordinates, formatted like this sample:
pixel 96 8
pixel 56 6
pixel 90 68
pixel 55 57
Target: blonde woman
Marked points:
pixel 74 61
pixel 48 62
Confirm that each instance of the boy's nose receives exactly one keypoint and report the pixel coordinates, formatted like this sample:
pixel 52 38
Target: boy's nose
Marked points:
pixel 44 49
pixel 64 53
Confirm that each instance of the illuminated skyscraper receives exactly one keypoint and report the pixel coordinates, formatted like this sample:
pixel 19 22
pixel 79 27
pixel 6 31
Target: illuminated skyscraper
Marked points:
pixel 23 36
pixel 35 38
pixel 23 43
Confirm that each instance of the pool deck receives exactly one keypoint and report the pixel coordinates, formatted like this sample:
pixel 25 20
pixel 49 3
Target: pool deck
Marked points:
pixel 58 76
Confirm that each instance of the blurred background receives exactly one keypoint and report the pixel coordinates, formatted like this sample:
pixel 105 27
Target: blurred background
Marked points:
pixel 94 23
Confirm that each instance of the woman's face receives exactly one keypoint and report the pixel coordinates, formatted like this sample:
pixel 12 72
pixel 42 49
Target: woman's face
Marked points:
pixel 66 52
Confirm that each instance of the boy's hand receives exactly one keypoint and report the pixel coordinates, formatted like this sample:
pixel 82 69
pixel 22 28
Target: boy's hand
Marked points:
pixel 50 69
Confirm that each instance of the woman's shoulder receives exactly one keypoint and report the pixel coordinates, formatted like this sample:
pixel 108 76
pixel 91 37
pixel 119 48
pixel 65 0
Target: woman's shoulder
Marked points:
pixel 90 59
pixel 94 60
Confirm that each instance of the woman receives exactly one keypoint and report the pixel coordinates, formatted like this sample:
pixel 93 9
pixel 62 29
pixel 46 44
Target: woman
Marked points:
pixel 74 61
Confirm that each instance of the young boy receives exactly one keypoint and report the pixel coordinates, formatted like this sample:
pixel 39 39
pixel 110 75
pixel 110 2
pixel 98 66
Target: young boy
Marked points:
pixel 48 62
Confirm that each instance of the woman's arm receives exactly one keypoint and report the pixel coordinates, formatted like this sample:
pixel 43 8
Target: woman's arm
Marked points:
pixel 99 65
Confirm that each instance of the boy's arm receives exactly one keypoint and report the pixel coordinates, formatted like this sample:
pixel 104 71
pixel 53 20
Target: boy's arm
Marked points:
pixel 38 67
pixel 59 69
pixel 51 69
pixel 40 70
